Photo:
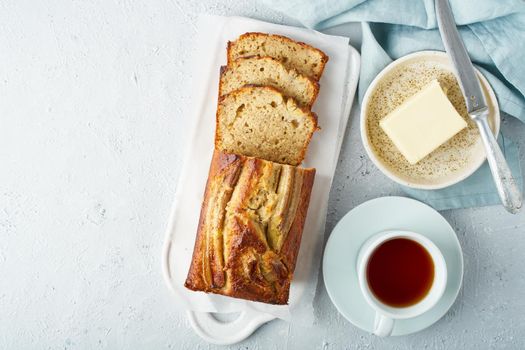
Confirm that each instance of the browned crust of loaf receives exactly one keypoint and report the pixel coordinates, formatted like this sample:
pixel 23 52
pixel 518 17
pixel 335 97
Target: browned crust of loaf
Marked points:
pixel 221 168
pixel 324 57
pixel 230 67
pixel 307 111
pixel 292 244
pixel 229 166
pixel 223 71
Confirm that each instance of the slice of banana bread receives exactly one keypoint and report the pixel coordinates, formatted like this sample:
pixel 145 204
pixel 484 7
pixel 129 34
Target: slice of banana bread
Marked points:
pixel 258 121
pixel 268 71
pixel 306 59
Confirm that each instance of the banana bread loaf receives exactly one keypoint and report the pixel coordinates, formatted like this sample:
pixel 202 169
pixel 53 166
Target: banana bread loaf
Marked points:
pixel 250 228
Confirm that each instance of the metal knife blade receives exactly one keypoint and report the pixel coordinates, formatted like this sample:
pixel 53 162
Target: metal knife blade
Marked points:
pixel 468 81
pixel 508 191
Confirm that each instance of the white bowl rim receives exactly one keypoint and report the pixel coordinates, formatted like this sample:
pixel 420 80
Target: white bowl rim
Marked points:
pixel 364 134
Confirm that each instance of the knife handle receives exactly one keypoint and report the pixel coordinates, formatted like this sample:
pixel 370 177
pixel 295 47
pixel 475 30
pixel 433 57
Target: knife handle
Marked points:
pixel 508 190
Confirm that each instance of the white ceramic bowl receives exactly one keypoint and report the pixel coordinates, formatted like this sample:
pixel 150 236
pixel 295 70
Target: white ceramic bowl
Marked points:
pixel 477 156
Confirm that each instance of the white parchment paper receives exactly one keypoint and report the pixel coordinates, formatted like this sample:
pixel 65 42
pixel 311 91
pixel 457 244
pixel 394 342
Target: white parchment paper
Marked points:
pixel 332 106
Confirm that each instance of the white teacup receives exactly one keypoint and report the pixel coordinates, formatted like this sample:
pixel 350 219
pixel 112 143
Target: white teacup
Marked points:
pixel 386 314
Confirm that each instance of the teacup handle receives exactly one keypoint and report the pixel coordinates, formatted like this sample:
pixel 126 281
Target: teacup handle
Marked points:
pixel 383 325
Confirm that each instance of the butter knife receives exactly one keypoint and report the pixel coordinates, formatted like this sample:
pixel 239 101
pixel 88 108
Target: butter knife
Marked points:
pixel 477 108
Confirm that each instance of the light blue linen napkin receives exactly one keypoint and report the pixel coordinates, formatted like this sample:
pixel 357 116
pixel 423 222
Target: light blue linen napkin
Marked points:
pixel 493 32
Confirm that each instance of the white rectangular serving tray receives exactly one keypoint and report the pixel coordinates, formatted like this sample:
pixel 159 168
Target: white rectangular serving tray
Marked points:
pixel 338 86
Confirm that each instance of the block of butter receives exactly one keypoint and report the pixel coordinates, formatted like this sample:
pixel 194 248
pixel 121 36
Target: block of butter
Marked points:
pixel 423 123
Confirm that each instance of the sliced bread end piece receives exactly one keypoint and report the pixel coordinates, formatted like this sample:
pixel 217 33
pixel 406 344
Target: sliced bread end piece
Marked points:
pixel 259 121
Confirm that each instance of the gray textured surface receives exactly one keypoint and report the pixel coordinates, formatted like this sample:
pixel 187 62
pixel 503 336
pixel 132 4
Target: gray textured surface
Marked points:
pixel 93 105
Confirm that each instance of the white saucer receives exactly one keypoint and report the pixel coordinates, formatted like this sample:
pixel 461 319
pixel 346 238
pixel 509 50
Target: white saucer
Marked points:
pixel 380 214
